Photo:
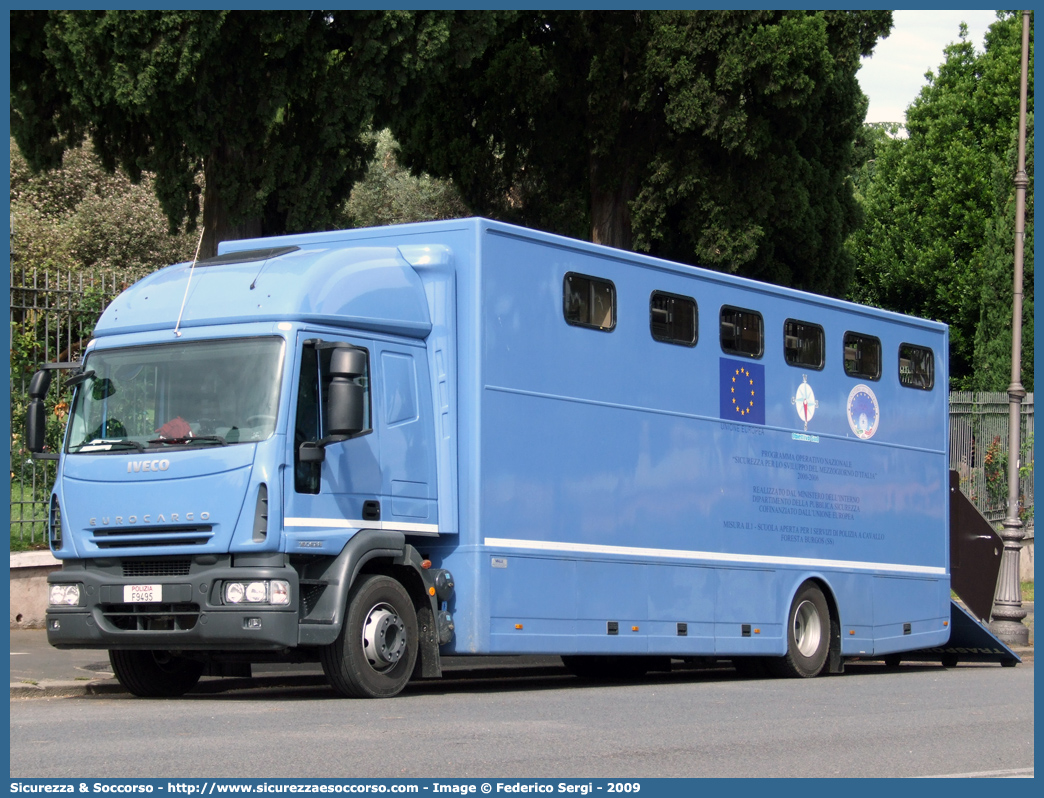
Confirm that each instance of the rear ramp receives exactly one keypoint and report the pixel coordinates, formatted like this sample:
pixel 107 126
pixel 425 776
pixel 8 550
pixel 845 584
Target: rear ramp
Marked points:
pixel 970 641
pixel 975 559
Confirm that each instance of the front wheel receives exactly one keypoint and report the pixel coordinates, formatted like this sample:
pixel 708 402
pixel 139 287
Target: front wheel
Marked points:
pixel 808 634
pixel 376 649
pixel 155 674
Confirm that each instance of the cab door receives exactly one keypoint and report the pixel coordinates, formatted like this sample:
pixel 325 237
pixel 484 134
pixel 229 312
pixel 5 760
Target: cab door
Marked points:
pixel 326 502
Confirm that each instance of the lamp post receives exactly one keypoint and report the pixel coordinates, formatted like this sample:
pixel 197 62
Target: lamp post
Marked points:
pixel 1007 606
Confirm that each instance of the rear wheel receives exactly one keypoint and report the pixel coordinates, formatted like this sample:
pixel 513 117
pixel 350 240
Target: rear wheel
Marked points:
pixel 155 674
pixel 374 654
pixel 808 634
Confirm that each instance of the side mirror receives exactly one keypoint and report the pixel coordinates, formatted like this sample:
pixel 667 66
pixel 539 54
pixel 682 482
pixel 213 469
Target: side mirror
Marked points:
pixel 345 405
pixel 40 384
pixel 35 426
pixel 36 417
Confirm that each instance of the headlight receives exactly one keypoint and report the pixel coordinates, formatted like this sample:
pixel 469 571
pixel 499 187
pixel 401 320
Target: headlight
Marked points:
pixel 64 595
pixel 266 592
pixel 234 592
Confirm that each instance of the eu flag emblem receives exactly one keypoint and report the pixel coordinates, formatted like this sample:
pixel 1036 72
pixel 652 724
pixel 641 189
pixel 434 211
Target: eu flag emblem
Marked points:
pixel 742 391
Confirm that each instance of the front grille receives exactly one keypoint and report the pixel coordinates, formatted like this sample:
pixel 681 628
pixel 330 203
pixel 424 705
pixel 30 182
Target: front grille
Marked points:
pixel 127 537
pixel 134 568
pixel 151 617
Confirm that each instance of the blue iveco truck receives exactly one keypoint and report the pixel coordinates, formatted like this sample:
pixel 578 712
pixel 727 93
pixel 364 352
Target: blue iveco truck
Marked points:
pixel 375 448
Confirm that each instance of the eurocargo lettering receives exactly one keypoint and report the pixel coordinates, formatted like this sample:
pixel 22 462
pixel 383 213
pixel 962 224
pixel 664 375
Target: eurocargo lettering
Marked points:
pixel 375 448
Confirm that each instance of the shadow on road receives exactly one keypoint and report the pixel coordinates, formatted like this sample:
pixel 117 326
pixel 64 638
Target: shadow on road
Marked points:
pixel 510 679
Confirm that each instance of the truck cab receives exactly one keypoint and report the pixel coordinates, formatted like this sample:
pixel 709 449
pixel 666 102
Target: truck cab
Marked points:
pixel 251 437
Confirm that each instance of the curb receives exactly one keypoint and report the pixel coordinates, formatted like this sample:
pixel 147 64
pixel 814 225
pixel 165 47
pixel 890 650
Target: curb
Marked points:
pixel 101 687
pixel 64 689
pixel 34 559
pixel 1024 653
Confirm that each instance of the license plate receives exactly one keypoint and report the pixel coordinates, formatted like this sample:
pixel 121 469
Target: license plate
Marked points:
pixel 133 594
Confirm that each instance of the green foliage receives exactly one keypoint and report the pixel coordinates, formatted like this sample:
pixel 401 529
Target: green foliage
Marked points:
pixel 29 496
pixel 939 209
pixel 30 508
pixel 389 194
pixel 268 106
pixel 1026 478
pixel 723 138
pixel 29 352
pixel 69 223
pixel 24 361
pixel 870 141
pixel 991 357
pixel 995 467
pixel 81 218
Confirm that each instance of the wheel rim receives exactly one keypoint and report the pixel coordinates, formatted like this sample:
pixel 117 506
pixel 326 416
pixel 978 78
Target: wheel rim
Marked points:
pixel 808 629
pixel 383 637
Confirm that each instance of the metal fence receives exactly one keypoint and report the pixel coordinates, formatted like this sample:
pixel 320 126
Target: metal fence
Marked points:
pixel 979 451
pixel 53 316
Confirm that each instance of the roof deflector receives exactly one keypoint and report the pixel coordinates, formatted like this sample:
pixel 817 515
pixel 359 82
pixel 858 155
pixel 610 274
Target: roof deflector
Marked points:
pixel 246 256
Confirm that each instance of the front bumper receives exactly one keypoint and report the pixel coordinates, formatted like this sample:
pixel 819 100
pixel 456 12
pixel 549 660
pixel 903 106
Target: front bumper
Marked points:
pixel 191 615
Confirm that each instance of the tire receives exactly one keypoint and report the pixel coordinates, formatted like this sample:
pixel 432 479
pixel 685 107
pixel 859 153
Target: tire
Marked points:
pixel 155 674
pixel 808 635
pixel 949 660
pixel 607 668
pixel 376 649
pixel 892 661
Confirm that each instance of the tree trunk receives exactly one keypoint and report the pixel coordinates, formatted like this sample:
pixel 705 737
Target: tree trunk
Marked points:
pixel 216 221
pixel 611 194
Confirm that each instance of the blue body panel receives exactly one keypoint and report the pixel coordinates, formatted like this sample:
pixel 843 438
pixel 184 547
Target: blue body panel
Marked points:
pixel 609 487
pixel 567 476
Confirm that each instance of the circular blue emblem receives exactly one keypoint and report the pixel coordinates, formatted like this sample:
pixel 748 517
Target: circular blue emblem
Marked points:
pixel 863 412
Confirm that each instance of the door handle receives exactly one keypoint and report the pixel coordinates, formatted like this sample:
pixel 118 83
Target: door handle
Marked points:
pixel 371 511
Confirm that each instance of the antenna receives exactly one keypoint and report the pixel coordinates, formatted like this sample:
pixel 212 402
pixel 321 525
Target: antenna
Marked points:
pixel 192 268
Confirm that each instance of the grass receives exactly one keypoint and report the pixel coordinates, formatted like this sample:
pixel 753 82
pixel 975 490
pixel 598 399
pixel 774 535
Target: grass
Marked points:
pixel 1027 592
pixel 31 534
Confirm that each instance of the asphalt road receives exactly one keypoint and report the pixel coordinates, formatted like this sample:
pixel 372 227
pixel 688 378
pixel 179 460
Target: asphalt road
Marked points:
pixel 919 720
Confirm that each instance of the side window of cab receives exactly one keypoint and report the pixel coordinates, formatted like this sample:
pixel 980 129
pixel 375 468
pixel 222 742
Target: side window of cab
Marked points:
pixel 313 393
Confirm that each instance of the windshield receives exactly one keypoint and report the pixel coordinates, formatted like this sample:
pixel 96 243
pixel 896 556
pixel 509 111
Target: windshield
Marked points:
pixel 184 394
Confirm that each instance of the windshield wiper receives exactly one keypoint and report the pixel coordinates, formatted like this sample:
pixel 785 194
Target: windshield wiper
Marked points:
pixel 189 440
pixel 105 445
